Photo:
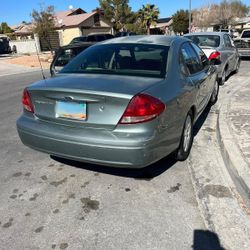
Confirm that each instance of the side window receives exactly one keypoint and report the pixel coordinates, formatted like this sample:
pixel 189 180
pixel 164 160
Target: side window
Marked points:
pixel 202 55
pixel 91 39
pixel 227 41
pixel 190 59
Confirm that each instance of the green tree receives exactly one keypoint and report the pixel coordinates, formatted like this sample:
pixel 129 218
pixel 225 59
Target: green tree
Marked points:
pixel 117 12
pixel 148 15
pixel 44 23
pixel 5 29
pixel 181 21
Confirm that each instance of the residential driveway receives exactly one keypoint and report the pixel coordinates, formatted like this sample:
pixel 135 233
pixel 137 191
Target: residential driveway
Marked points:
pixel 9 69
pixel 51 204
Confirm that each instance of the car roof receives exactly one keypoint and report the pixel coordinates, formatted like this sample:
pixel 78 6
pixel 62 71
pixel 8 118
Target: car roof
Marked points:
pixel 145 39
pixel 77 45
pixel 206 33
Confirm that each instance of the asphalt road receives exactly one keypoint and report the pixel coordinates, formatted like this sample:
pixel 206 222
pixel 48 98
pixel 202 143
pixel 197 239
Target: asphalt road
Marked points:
pixel 49 203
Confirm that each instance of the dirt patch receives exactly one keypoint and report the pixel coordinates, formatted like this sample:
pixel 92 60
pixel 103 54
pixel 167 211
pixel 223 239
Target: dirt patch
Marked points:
pixel 31 61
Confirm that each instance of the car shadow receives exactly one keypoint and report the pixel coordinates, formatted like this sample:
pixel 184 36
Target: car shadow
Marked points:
pixel 199 123
pixel 147 173
pixel 206 240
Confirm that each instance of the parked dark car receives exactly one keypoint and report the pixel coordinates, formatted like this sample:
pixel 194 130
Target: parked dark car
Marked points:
pixel 92 38
pixel 65 54
pixel 218 45
pixel 125 33
pixel 125 102
pixel 4 45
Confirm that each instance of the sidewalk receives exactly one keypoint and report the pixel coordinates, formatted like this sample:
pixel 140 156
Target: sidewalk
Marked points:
pixel 234 133
pixel 219 163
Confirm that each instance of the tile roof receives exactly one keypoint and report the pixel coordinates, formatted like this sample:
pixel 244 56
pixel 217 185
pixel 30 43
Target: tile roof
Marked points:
pixel 72 17
pixel 73 20
pixel 24 29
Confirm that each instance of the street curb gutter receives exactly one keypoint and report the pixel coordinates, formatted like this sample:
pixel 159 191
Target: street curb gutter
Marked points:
pixel 232 156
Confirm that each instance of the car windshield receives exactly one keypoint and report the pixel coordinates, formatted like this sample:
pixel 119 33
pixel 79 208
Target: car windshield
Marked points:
pixel 205 40
pixel 246 34
pixel 121 59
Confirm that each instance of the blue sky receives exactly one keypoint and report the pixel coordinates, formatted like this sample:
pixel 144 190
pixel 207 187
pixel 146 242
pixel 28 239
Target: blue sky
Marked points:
pixel 16 11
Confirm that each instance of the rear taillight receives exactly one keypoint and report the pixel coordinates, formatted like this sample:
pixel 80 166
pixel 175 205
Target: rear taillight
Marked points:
pixel 142 108
pixel 214 55
pixel 26 101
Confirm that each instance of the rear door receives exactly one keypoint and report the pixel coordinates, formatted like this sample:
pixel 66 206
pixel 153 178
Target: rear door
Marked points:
pixel 197 75
pixel 208 69
pixel 231 52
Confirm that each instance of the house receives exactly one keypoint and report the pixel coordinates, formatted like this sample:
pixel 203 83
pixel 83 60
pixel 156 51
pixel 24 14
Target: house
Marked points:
pixel 69 24
pixel 76 22
pixel 163 26
pixel 23 31
pixel 242 23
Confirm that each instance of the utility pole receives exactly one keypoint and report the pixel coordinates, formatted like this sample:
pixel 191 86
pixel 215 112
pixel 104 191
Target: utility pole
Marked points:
pixel 189 22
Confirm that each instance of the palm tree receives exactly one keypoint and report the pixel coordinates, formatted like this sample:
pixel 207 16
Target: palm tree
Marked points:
pixel 148 14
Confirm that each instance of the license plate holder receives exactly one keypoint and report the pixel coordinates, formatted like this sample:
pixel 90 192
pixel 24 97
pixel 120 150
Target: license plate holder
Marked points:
pixel 71 110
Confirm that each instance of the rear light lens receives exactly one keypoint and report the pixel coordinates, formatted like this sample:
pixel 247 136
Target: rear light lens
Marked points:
pixel 142 108
pixel 214 55
pixel 26 101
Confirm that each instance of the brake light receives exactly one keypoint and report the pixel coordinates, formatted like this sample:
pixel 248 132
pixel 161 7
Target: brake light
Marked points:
pixel 214 55
pixel 26 101
pixel 142 108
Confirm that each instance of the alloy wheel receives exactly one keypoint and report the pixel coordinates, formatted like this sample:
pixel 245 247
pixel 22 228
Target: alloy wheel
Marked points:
pixel 187 134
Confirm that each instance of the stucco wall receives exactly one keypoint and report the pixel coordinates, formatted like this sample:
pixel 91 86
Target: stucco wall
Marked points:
pixel 25 46
pixel 104 23
pixel 69 34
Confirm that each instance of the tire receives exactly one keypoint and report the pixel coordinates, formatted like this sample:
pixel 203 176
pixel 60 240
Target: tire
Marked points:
pixel 187 137
pixel 223 77
pixel 214 96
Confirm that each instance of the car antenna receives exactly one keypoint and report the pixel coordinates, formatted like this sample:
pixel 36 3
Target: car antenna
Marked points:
pixel 41 67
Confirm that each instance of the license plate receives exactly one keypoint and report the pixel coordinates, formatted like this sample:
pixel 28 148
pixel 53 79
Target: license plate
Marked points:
pixel 71 110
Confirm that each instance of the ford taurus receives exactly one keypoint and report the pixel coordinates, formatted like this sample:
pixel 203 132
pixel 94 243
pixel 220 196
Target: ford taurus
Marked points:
pixel 125 102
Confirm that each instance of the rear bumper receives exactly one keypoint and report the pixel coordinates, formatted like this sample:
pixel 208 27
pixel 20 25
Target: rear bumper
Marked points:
pixel 109 151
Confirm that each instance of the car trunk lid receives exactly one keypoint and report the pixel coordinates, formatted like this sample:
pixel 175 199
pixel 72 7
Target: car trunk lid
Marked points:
pixel 94 101
pixel 208 51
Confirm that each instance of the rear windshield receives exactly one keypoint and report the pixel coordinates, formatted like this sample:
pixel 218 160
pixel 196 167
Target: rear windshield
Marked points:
pixel 205 40
pixel 79 39
pixel 121 59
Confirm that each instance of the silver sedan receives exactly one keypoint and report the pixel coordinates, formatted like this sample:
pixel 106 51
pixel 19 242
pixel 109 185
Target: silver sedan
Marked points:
pixel 125 102
pixel 218 45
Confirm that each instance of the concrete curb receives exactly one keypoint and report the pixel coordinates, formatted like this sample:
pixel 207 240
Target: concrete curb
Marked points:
pixel 232 156
pixel 223 210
